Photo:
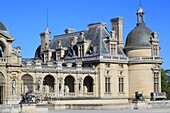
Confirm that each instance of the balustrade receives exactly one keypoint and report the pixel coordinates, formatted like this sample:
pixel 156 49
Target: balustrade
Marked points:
pixel 144 58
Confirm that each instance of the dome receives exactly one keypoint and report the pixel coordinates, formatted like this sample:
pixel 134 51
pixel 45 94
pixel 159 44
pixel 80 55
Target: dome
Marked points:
pixel 139 37
pixel 3 28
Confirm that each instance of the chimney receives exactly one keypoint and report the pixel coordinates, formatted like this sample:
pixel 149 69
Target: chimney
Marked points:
pixel 69 30
pixel 117 26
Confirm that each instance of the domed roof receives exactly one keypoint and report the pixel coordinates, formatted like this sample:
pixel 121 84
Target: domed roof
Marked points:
pixel 3 28
pixel 139 36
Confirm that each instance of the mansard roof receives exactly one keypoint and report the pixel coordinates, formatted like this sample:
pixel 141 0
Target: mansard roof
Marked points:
pixel 65 39
pixel 96 33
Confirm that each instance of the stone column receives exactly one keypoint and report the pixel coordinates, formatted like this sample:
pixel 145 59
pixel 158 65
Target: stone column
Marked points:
pixel 55 88
pixel 76 89
pixel 94 89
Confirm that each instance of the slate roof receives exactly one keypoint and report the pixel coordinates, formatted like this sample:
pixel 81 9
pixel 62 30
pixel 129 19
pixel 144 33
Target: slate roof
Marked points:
pixel 96 34
pixel 139 37
pixel 3 27
pixel 65 39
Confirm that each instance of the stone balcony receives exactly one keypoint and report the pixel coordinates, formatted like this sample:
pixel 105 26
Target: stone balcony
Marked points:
pixel 106 58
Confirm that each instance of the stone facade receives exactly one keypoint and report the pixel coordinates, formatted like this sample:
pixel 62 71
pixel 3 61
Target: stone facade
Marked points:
pixel 92 64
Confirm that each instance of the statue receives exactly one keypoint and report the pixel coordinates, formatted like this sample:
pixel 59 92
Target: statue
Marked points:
pixel 13 86
pixel 60 88
pixel 38 85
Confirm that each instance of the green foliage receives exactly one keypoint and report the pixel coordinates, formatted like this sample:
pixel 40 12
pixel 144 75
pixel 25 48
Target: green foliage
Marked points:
pixel 165 83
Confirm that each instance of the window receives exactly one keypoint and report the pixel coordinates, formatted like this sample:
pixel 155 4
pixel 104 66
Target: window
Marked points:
pixel 156 82
pixel 155 50
pixel 107 84
pixel 81 50
pixel 58 55
pixel 113 49
pixel 121 85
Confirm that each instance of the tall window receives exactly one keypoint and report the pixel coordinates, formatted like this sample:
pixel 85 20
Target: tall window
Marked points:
pixel 107 84
pixel 121 85
pixel 156 82
pixel 81 50
pixel 113 49
pixel 58 55
pixel 155 50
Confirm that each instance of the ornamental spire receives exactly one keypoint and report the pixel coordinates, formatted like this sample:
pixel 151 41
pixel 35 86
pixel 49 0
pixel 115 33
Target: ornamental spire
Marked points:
pixel 47 30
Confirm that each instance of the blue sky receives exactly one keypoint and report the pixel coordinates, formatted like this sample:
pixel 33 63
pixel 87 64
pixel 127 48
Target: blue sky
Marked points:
pixel 26 19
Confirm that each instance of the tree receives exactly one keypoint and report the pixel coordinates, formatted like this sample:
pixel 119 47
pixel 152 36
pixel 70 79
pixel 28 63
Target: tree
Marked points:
pixel 165 83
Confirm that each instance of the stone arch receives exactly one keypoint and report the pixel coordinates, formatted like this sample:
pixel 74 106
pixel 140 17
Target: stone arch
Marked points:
pixel 2 88
pixel 27 83
pixel 69 84
pixel 88 84
pixel 2 49
pixel 2 79
pixel 48 83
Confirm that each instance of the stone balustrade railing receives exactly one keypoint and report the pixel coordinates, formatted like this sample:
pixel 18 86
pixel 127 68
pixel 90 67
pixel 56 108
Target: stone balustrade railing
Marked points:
pixel 152 58
pixel 57 68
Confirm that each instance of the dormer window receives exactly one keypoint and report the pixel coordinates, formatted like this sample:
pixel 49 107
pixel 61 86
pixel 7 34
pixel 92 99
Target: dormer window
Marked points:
pixel 81 50
pixel 113 49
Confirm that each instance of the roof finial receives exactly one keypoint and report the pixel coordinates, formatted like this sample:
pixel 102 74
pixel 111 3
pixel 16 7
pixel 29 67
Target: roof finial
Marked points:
pixel 140 13
pixel 47 30
pixel 140 3
pixel 47 16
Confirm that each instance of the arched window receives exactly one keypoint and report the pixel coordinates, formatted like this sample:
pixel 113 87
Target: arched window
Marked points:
pixel 27 83
pixel 69 84
pixel 88 84
pixel 48 82
pixel 2 49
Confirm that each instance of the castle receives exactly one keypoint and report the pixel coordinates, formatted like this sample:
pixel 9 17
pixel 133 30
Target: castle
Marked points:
pixel 88 66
